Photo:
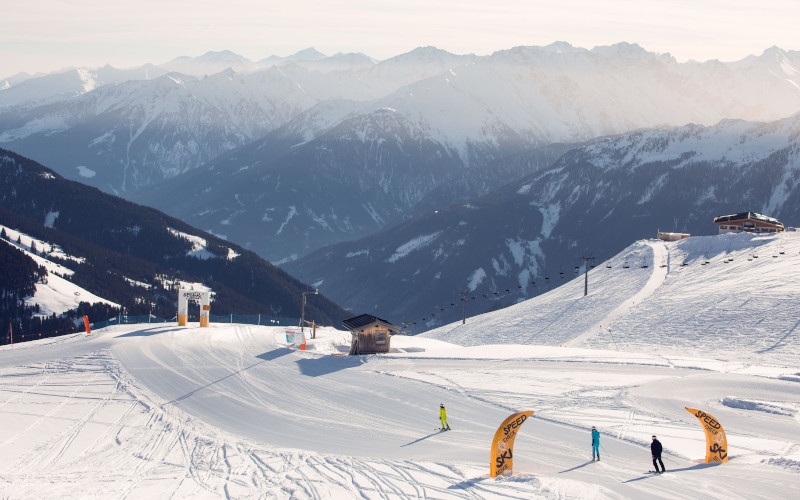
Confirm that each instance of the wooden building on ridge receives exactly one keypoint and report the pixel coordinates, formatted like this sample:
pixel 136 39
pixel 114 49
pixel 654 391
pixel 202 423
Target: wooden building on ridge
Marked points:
pixel 371 335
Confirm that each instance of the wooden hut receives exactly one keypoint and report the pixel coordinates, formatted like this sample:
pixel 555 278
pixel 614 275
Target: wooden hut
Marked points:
pixel 371 335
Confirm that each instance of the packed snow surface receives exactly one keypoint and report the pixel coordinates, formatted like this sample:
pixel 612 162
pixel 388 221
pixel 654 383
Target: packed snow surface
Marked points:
pixel 233 411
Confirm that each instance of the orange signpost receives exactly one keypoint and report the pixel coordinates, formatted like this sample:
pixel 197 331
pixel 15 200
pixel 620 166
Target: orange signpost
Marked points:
pixel 503 444
pixel 716 441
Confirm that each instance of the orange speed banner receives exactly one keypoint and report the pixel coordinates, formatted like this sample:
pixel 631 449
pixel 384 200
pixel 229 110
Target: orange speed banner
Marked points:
pixel 503 443
pixel 716 442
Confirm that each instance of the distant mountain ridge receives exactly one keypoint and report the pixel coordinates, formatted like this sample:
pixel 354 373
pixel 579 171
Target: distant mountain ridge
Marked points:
pixel 448 134
pixel 471 104
pixel 288 159
pixel 529 236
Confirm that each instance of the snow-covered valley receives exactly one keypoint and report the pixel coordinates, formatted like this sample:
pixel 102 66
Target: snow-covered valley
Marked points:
pixel 232 411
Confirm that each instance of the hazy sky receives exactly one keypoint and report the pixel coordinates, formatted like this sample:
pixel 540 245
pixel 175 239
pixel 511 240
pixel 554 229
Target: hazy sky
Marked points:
pixel 44 35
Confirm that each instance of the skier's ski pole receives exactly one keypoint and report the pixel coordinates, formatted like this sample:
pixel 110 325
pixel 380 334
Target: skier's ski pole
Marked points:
pixel 604 450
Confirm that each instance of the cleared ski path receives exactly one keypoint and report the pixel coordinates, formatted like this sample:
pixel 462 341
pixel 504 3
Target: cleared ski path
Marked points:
pixel 657 276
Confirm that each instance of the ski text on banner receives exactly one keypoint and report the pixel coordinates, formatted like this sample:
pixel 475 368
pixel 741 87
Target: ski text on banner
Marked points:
pixel 716 442
pixel 503 444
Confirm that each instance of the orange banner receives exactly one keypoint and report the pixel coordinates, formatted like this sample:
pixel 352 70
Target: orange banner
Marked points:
pixel 716 442
pixel 503 444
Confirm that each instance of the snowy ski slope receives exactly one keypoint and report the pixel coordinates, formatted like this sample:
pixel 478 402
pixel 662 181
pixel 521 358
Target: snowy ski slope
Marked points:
pixel 161 411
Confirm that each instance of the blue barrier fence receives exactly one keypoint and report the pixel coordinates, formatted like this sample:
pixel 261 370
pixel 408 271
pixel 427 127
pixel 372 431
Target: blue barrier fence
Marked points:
pixel 124 319
pixel 247 319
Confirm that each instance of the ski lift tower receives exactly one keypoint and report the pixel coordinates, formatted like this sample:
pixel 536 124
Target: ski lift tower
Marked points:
pixel 303 307
pixel 463 306
pixel 586 275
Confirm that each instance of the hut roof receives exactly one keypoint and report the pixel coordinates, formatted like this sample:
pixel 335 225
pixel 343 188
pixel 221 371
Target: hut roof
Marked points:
pixel 364 320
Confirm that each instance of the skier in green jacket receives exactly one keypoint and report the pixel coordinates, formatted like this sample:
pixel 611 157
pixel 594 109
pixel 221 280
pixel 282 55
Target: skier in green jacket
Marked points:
pixel 443 417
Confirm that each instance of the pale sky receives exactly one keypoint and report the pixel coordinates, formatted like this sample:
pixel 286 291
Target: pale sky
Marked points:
pixel 45 35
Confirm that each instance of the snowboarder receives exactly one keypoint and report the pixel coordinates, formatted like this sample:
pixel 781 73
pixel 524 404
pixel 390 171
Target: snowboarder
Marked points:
pixel 443 417
pixel 595 444
pixel 655 450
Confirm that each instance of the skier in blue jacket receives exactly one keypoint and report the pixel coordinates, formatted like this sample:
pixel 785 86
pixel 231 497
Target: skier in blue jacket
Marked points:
pixel 595 444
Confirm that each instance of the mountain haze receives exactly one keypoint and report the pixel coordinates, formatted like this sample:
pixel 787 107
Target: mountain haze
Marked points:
pixel 528 236
pixel 451 131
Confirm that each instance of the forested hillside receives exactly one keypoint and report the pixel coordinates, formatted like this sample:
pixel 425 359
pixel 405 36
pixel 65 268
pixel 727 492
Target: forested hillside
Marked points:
pixel 136 256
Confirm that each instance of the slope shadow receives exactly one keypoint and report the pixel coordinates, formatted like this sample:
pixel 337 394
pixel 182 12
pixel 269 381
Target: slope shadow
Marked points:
pixel 577 467
pixel 467 483
pixel 274 354
pixel 147 332
pixel 421 439
pixel 779 342
pixel 317 367
pixel 267 356
pixel 685 469
pixel 192 393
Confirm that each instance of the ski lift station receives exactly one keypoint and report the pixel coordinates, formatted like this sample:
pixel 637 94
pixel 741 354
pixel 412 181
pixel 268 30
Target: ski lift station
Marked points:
pixel 750 222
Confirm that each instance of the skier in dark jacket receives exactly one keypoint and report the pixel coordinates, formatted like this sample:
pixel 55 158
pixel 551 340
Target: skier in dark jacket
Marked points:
pixel 655 450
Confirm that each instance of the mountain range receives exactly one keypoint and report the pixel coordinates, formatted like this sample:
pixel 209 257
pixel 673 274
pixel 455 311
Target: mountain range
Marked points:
pixel 286 156
pixel 532 234
pixel 444 139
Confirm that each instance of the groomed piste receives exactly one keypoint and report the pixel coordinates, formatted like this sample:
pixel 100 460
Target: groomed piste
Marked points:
pixel 234 411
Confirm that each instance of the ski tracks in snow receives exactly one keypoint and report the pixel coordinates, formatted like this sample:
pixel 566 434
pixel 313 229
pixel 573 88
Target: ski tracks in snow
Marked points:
pixel 106 436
